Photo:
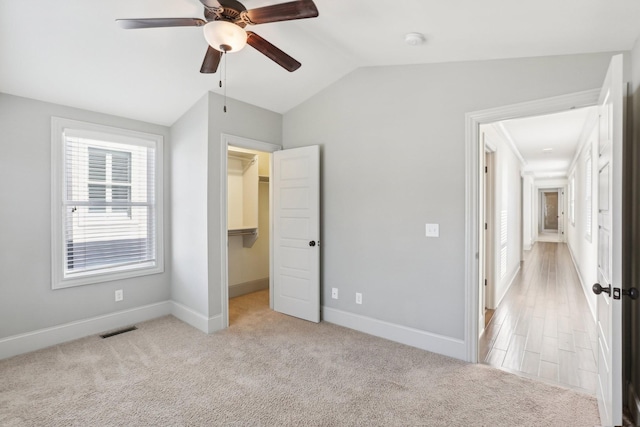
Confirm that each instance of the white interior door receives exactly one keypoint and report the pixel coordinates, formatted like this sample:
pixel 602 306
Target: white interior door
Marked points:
pixel 609 307
pixel 296 230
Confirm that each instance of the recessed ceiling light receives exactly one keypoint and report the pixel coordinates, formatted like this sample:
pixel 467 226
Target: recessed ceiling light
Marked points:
pixel 414 39
pixel 547 150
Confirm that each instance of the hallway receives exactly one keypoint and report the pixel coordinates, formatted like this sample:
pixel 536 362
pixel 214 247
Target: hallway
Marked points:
pixel 543 327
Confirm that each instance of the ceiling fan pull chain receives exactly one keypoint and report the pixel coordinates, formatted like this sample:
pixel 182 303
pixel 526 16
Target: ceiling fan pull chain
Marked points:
pixel 225 82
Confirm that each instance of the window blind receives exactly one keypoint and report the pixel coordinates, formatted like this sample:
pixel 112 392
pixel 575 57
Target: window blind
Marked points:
pixel 109 211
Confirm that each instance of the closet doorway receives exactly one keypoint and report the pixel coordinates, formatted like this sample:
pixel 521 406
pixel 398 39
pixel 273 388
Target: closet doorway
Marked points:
pixel 248 220
pixel 245 181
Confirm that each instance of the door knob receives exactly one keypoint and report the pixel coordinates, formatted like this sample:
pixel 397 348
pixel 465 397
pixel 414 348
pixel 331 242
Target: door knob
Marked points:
pixel 631 293
pixel 597 289
pixel 312 243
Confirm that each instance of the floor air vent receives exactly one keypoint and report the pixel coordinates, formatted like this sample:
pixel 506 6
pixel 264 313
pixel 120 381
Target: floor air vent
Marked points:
pixel 118 332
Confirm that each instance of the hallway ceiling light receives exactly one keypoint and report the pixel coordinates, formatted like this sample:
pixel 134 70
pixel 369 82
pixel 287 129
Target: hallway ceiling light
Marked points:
pixel 414 39
pixel 547 150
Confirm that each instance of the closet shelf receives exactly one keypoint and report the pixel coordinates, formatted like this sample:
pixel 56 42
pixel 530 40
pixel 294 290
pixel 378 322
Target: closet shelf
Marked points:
pixel 250 231
pixel 249 235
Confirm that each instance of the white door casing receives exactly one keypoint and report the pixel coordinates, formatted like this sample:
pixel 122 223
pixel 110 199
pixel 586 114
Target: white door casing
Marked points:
pixel 296 232
pixel 609 306
pixel 474 220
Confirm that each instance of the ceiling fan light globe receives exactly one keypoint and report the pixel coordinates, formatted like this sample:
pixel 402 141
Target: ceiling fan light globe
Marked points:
pixel 225 36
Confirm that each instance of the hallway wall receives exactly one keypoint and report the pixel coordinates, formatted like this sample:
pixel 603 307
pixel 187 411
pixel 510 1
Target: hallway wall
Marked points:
pixel 508 216
pixel 583 246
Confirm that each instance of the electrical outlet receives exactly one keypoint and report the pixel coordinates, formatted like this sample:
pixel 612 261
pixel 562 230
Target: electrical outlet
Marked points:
pixel 334 293
pixel 432 230
pixel 358 298
pixel 119 295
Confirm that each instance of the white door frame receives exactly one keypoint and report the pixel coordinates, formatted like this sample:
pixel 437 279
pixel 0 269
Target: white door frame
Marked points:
pixel 251 144
pixel 474 157
pixel 488 256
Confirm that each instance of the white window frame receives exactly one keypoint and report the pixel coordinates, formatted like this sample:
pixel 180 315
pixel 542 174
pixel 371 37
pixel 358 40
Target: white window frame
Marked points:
pixel 58 127
pixel 572 199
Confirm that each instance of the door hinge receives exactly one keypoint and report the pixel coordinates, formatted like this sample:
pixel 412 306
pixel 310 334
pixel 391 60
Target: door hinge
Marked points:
pixel 485 282
pixel 485 169
pixel 485 226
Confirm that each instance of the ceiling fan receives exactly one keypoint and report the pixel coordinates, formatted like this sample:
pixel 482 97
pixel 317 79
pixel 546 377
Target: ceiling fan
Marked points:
pixel 224 28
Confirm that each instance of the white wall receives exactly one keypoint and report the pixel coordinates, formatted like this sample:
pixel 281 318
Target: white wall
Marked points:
pixel 528 223
pixel 27 302
pixel 393 156
pixel 508 190
pixel 583 250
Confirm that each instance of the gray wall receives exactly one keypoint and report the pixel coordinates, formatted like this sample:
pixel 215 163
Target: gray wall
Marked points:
pixel 243 120
pixel 27 302
pixel 189 148
pixel 196 207
pixel 393 159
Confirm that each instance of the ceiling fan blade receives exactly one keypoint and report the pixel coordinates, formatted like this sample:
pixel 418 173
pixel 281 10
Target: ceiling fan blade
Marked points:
pixel 283 12
pixel 211 61
pixel 160 22
pixel 210 3
pixel 272 52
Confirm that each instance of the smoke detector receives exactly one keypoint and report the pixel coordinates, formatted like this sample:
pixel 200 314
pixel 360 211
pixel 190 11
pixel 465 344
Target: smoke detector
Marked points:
pixel 414 39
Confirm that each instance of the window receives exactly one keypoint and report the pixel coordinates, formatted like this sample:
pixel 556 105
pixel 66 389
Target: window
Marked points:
pixel 106 204
pixel 572 199
pixel 109 180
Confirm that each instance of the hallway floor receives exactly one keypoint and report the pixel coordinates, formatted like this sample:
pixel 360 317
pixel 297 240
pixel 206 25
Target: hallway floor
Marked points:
pixel 543 327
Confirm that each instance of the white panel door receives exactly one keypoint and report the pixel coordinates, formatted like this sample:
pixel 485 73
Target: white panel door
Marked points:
pixel 296 230
pixel 609 307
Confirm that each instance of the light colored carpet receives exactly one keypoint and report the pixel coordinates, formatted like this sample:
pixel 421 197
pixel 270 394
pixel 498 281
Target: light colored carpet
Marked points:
pixel 268 369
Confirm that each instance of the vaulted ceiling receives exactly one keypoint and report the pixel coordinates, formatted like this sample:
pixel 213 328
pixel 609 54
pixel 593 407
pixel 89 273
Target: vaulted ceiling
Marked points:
pixel 71 52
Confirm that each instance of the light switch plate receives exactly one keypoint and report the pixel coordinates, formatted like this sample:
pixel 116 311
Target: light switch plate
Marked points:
pixel 432 230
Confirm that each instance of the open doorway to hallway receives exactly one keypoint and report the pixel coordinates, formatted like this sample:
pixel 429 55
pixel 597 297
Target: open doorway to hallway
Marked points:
pixel 543 322
pixel 543 327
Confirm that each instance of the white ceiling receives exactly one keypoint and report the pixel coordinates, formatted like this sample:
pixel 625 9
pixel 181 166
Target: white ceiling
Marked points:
pixel 547 143
pixel 71 52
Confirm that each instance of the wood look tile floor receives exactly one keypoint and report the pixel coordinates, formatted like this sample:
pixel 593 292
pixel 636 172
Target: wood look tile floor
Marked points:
pixel 543 327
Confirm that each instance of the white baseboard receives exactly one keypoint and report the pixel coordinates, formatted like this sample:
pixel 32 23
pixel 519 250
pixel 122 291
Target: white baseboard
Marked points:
pixel 506 289
pixel 42 338
pixel 247 287
pixel 585 288
pixel 435 343
pixel 195 319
